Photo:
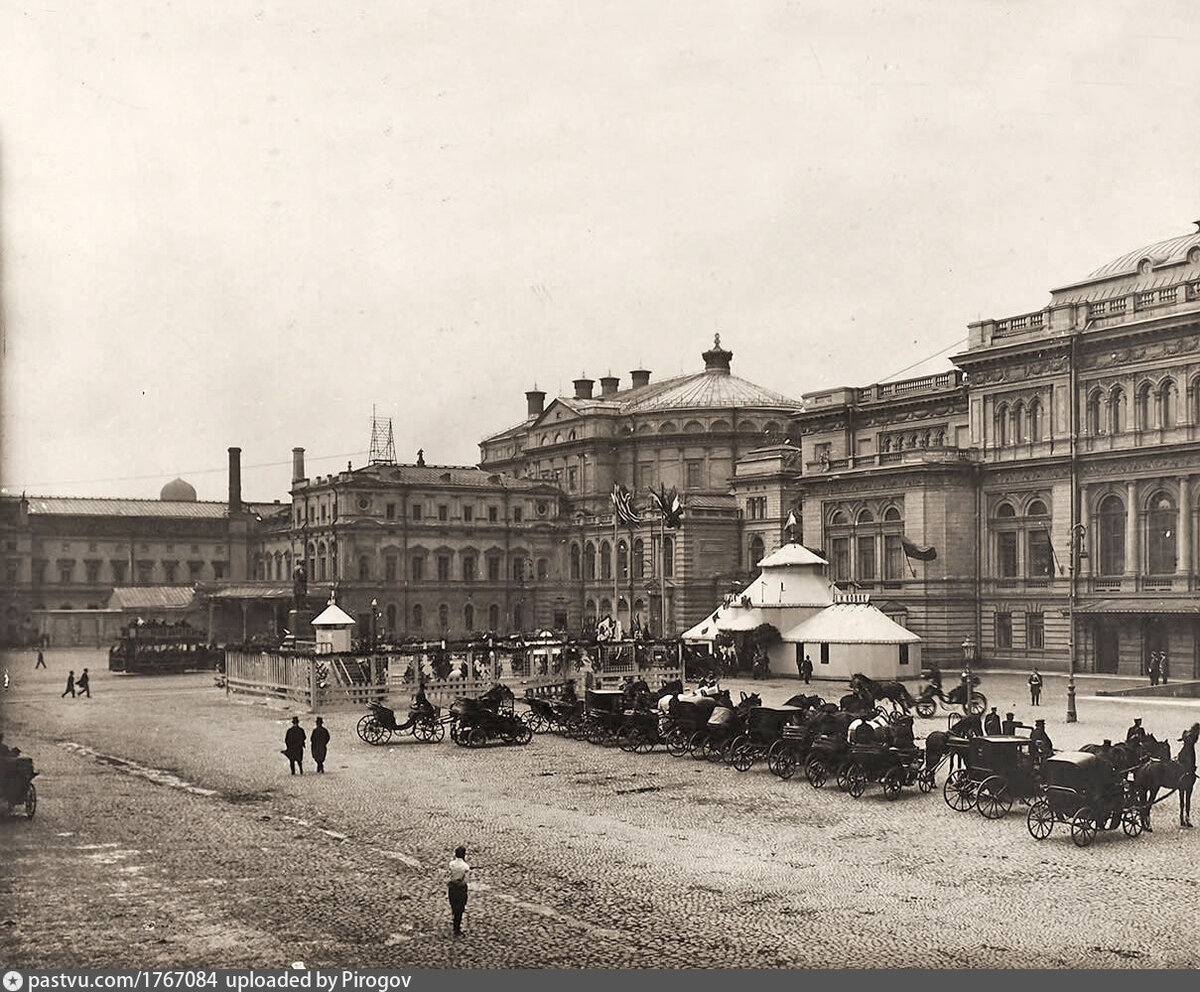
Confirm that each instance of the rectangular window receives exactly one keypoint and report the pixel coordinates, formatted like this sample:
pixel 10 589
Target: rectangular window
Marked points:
pixel 893 558
pixel 218 568
pixel 1041 558
pixel 93 571
pixel 418 568
pixel 468 567
pixel 841 558
pixel 66 569
pixel 389 568
pixel 389 511
pixel 493 569
pixel 468 513
pixel 903 654
pixel 693 470
pixel 169 568
pixel 866 558
pixel 416 511
pixel 1035 630
pixel 1004 630
pixel 493 514
pixel 39 571
pixel 1006 550
pixel 646 474
pixel 824 654
pixel 443 512
pixel 518 514
pixel 572 478
pixel 11 572
pixel 146 573
pixel 195 570
pixel 443 567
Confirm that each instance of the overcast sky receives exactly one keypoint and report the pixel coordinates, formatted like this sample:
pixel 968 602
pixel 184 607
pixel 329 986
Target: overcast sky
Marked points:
pixel 228 223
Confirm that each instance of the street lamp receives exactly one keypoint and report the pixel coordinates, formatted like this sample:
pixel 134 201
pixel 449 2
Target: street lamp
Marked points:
pixel 1077 553
pixel 968 650
pixel 374 615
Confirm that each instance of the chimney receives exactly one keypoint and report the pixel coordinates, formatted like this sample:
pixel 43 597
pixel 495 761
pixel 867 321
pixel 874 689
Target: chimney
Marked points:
pixel 639 378
pixel 536 400
pixel 298 465
pixel 583 388
pixel 716 359
pixel 609 385
pixel 235 481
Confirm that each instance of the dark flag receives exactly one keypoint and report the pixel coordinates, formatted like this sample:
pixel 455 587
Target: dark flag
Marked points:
pixel 919 554
pixel 622 501
pixel 669 506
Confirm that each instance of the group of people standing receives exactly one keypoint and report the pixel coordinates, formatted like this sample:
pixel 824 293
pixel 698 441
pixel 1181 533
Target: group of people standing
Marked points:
pixel 293 745
pixel 1158 667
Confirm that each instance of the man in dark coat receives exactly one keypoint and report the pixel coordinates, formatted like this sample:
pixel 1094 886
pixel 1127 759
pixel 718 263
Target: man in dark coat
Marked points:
pixel 293 745
pixel 1136 733
pixel 319 742
pixel 41 662
pixel 83 685
pixel 70 684
pixel 806 669
pixel 991 722
pixel 1041 741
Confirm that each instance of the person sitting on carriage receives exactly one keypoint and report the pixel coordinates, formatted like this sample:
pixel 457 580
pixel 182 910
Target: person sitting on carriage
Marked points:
pixel 1043 747
pixel 421 706
pixel 934 674
pixel 968 726
pixel 568 692
pixel 1009 727
pixel 902 734
pixel 1136 734
pixel 991 722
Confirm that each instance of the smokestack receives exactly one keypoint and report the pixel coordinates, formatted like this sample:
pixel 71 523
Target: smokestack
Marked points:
pixel 640 378
pixel 298 465
pixel 235 481
pixel 583 389
pixel 609 385
pixel 536 400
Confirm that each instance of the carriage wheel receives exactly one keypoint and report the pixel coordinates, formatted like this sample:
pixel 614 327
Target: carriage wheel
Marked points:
pixel 743 756
pixel 575 728
pixel 843 774
pixel 537 723
pixel 374 733
pixel 893 783
pixel 422 731
pixel 439 732
pixel 816 772
pixel 627 739
pixel 978 704
pixel 677 743
pixel 363 724
pixel 646 741
pixel 476 737
pixel 735 745
pixel 456 734
pixel 785 764
pixel 773 753
pixel 1040 820
pixel 925 781
pixel 714 750
pixel 958 791
pixel 1083 827
pixel 524 735
pixel 926 708
pixel 1131 821
pixel 856 781
pixel 31 801
pixel 994 799
pixel 696 744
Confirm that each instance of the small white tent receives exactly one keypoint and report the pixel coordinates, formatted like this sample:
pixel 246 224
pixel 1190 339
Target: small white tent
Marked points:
pixel 332 628
pixel 853 636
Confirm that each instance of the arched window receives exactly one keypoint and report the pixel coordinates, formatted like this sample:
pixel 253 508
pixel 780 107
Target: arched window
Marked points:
pixel 589 561
pixel 1037 509
pixel 866 517
pixel 575 573
pixel 1112 536
pixel 1195 401
pixel 1169 398
pixel 494 618
pixel 891 514
pixel 321 561
pixel 605 560
pixel 838 519
pixel 1035 420
pixel 1002 424
pixel 606 608
pixel 668 556
pixel 639 559
pixel 1093 414
pixel 1117 413
pixel 542 569
pixel 1018 419
pixel 1041 557
pixel 418 616
pixel 364 568
pixel 589 611
pixel 756 551
pixel 1141 408
pixel 469 617
pixel 1005 510
pixel 1161 523
pixel 622 560
pixel 1007 533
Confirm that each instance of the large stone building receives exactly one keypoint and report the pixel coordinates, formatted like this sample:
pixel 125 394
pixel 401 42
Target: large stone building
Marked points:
pixel 1056 484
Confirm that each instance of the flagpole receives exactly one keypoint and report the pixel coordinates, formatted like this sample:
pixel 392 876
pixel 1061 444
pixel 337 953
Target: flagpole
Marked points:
pixel 662 571
pixel 615 558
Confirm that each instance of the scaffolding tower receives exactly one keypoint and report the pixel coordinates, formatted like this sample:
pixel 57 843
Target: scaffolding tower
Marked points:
pixel 383 443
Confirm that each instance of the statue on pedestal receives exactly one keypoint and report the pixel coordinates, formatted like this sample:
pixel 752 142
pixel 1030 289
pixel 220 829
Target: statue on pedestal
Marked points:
pixel 300 587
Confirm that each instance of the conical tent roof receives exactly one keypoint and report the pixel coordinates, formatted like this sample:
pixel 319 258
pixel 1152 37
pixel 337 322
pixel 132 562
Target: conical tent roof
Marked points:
pixel 791 576
pixel 334 616
pixel 850 623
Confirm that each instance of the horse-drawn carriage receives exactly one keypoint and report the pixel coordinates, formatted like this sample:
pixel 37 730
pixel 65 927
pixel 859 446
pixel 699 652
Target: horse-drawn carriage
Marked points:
pixel 1087 793
pixel 424 723
pixel 892 767
pixel 997 771
pixel 931 695
pixel 563 715
pixel 765 727
pixel 16 785
pixel 476 722
pixel 828 755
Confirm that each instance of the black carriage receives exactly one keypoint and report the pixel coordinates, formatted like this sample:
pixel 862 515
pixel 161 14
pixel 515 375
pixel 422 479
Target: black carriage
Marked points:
pixel 1087 793
pixel 563 716
pixel 487 718
pixel 997 771
pixel 604 713
pixel 424 723
pixel 16 786
pixel 765 728
pixel 828 755
pixel 892 767
pixel 931 696
pixel 640 730
pixel 686 719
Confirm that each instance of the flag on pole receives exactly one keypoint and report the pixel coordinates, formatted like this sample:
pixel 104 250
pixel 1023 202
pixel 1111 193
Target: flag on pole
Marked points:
pixel 669 506
pixel 920 554
pixel 622 501
pixel 791 524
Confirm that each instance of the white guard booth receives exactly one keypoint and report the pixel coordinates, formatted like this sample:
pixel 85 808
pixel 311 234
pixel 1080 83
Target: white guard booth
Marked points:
pixel 853 636
pixel 332 629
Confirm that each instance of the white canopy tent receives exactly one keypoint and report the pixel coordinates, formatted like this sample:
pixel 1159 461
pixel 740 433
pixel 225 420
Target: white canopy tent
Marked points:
pixel 853 636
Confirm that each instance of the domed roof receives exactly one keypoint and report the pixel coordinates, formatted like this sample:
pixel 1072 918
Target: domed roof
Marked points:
pixel 178 491
pixel 1171 250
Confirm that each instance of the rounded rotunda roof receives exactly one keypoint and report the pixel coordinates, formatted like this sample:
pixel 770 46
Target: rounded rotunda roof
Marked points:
pixel 178 491
pixel 1171 250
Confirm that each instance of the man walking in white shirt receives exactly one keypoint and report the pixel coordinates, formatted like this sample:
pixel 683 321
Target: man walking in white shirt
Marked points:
pixel 457 887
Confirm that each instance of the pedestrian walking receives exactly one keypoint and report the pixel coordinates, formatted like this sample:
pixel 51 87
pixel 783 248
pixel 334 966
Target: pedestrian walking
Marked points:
pixel 1187 761
pixel 70 689
pixel 457 887
pixel 1035 688
pixel 1164 667
pixel 82 685
pixel 1153 668
pixel 991 722
pixel 806 669
pixel 41 662
pixel 319 742
pixel 293 745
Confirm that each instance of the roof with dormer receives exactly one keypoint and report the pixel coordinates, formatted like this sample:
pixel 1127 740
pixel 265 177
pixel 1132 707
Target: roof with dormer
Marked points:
pixel 1154 266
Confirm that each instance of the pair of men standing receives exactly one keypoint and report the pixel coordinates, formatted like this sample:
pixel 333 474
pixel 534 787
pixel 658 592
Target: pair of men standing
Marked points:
pixel 1158 668
pixel 293 745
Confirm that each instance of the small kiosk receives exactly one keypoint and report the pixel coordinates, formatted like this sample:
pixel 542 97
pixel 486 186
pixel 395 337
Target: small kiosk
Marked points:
pixel 332 629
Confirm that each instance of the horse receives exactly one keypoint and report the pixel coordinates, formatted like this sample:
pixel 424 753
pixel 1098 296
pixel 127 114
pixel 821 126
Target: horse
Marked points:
pixel 1155 774
pixel 866 730
pixel 855 703
pixel 804 702
pixel 895 693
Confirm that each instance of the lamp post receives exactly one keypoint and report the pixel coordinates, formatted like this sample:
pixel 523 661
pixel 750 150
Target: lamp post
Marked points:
pixel 1077 553
pixel 374 628
pixel 968 650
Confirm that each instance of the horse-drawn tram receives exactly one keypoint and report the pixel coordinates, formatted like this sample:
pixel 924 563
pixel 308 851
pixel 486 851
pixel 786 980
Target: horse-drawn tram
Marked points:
pixel 152 649
pixel 998 771
pixel 1087 793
